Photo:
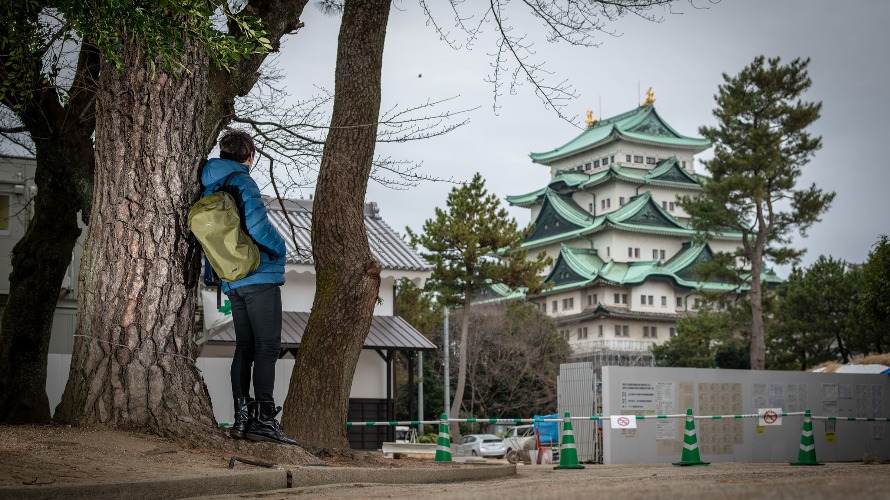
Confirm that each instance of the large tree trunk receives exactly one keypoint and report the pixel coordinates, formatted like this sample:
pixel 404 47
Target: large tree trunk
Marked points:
pixel 63 176
pixel 131 366
pixel 347 275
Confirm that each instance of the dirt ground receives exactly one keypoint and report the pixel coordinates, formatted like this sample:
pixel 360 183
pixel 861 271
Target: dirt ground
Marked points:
pixel 61 454
pixel 723 481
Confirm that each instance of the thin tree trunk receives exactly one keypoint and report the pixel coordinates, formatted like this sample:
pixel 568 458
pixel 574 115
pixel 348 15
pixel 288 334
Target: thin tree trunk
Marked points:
pixel 461 369
pixel 62 135
pixel 758 343
pixel 131 367
pixel 347 275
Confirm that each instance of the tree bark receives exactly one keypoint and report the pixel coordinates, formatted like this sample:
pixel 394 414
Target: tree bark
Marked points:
pixel 454 427
pixel 758 342
pixel 131 366
pixel 347 275
pixel 63 176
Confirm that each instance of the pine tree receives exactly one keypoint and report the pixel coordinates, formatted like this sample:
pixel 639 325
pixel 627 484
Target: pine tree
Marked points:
pixel 472 244
pixel 761 145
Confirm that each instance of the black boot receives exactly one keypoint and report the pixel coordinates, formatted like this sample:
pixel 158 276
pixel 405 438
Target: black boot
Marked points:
pixel 243 417
pixel 265 427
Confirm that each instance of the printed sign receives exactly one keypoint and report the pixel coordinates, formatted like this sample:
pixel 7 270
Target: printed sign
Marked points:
pixel 624 422
pixel 769 416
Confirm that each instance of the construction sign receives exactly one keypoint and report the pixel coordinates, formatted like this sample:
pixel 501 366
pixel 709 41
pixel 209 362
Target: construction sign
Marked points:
pixel 769 416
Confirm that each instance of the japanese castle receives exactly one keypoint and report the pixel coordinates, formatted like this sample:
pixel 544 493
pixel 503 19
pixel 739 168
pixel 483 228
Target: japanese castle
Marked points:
pixel 622 248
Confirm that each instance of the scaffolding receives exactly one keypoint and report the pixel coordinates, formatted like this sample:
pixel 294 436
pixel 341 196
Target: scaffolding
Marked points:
pixel 613 352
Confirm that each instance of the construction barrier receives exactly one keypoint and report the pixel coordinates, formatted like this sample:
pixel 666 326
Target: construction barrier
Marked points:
pixel 568 458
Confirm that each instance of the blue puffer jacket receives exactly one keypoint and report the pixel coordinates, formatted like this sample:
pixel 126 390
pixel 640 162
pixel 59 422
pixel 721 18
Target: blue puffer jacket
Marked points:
pixel 253 213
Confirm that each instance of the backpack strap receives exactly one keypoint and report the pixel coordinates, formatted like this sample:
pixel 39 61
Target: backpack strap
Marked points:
pixel 228 178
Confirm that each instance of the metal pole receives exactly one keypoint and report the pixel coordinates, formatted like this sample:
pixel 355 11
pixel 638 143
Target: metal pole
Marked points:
pixel 447 348
pixel 420 390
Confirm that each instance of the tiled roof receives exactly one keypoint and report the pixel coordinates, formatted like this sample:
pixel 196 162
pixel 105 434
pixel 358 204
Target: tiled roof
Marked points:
pixel 386 245
pixel 387 332
pixel 642 125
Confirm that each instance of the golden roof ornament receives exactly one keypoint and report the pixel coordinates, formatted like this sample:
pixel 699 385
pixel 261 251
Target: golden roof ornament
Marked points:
pixel 650 97
pixel 590 121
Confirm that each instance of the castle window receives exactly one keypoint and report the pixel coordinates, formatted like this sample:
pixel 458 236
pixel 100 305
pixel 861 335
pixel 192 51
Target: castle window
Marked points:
pixel 555 307
pixel 612 159
pixel 638 159
pixel 625 330
pixel 637 253
pixel 653 332
pixel 617 298
pixel 679 301
pixel 621 201
pixel 600 331
pixel 587 166
pixel 596 164
pixel 627 158
pixel 645 331
pixel 664 301
pixel 650 160
pixel 661 254
pixel 582 333
pixel 605 161
pixel 672 332
pixel 617 330
pixel 624 298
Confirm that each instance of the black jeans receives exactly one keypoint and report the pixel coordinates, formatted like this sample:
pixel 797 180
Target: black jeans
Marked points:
pixel 256 313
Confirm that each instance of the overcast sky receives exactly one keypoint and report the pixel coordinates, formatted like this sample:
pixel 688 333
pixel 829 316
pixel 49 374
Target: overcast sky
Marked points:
pixel 681 58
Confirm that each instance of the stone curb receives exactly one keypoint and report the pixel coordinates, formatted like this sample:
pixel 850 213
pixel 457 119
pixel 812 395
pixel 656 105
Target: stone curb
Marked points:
pixel 254 481
pixel 179 487
pixel 314 476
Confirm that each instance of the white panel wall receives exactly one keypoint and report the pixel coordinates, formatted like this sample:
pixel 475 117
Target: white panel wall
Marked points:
pixel 710 392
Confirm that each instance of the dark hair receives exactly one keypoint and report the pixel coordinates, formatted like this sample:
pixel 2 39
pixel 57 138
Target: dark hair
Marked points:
pixel 236 145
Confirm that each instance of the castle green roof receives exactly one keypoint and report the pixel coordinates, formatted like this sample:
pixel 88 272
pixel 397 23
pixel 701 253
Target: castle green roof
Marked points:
pixel 642 125
pixel 561 219
pixel 667 172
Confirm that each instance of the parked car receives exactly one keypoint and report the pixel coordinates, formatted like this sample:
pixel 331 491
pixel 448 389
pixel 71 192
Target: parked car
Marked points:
pixel 484 445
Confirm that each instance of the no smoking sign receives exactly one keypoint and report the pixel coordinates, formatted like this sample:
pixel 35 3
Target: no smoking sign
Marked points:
pixel 624 422
pixel 769 416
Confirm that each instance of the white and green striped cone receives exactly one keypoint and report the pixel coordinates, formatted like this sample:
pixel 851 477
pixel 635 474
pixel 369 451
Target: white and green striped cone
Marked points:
pixel 568 454
pixel 443 445
pixel 807 453
pixel 690 455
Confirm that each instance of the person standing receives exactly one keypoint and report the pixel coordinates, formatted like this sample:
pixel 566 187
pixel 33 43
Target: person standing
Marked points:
pixel 255 299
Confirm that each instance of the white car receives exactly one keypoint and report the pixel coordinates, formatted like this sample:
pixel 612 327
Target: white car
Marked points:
pixel 484 445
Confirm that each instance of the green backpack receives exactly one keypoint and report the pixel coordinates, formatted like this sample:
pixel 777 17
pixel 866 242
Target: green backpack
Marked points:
pixel 216 223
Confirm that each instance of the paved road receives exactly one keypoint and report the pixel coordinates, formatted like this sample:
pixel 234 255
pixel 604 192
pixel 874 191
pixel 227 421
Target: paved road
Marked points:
pixel 723 481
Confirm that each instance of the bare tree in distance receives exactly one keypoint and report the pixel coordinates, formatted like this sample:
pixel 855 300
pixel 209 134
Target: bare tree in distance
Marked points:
pixel 515 59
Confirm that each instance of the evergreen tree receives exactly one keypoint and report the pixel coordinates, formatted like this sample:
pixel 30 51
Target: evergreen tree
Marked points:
pixel 815 316
pixel 696 342
pixel 761 145
pixel 472 244
pixel 875 311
